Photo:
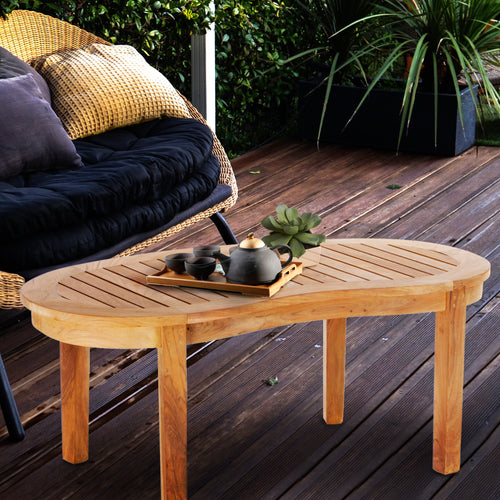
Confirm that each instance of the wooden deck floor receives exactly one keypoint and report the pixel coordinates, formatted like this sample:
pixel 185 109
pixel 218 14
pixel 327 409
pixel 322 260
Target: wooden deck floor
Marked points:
pixel 248 440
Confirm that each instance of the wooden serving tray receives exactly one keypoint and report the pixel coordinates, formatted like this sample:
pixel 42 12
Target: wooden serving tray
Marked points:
pixel 217 281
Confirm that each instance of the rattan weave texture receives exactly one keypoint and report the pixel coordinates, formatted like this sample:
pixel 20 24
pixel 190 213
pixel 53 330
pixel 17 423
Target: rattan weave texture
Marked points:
pixel 29 35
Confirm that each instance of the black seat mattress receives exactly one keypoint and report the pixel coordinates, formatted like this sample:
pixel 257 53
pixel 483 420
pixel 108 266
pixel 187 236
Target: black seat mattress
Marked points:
pixel 134 180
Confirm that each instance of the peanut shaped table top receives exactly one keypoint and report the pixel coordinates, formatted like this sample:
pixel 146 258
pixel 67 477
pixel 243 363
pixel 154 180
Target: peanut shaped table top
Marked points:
pixel 355 277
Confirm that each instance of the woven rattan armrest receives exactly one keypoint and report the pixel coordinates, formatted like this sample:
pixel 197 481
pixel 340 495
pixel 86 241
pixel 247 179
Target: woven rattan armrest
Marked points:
pixel 10 286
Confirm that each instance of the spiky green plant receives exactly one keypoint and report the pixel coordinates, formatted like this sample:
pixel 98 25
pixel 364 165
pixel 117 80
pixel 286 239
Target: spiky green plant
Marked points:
pixel 338 35
pixel 448 40
pixel 292 229
pixel 342 28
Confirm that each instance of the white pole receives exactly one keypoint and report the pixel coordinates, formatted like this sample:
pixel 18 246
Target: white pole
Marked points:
pixel 203 73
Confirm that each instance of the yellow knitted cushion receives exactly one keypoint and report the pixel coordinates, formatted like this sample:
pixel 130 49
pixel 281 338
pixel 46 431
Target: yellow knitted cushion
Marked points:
pixel 101 87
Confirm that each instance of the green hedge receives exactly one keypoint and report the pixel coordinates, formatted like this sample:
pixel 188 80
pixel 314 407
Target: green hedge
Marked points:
pixel 254 96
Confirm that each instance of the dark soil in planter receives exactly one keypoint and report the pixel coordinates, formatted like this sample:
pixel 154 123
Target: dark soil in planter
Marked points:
pixel 377 122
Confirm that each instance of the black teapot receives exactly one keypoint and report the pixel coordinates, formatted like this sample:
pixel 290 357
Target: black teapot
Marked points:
pixel 253 263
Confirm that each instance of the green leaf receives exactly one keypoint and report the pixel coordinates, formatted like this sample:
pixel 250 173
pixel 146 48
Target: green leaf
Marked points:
pixel 305 219
pixel 270 223
pixel 297 247
pixel 329 84
pixel 288 229
pixel 291 214
pixel 276 239
pixel 281 213
pixel 410 91
pixel 311 239
pixel 314 221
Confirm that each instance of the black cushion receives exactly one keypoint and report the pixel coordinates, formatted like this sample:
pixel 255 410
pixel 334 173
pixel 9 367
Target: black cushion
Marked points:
pixel 134 180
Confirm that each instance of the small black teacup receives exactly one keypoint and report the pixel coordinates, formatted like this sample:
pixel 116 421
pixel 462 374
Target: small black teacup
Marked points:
pixel 200 267
pixel 206 250
pixel 175 261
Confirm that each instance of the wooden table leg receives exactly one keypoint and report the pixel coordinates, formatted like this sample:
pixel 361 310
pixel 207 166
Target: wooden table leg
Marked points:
pixel 334 332
pixel 448 383
pixel 75 367
pixel 172 390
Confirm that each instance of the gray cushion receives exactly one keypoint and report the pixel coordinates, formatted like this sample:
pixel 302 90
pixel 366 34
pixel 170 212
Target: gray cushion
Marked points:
pixel 11 66
pixel 31 135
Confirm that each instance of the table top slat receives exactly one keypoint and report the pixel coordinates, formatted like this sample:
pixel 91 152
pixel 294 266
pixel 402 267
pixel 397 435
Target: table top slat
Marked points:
pixel 357 268
pixel 434 258
pixel 168 296
pixel 305 279
pixel 382 261
pixel 413 261
pixel 89 291
pixel 68 293
pixel 321 273
pixel 119 286
pixel 336 271
pixel 147 265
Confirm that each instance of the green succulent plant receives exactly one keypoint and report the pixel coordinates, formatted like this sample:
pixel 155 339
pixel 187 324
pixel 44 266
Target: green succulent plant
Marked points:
pixel 292 229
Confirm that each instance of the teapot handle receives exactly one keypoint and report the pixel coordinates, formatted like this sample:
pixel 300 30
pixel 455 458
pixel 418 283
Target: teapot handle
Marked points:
pixel 288 250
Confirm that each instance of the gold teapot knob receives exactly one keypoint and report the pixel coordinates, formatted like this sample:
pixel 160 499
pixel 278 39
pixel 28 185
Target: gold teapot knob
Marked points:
pixel 251 242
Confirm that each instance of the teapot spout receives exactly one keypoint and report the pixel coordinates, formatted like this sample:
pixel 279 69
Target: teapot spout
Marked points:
pixel 224 260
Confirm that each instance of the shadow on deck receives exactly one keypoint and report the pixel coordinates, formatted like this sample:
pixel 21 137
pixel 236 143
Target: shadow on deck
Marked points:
pixel 248 440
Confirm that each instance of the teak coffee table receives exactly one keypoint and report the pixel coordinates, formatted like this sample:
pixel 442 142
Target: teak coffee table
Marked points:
pixel 108 304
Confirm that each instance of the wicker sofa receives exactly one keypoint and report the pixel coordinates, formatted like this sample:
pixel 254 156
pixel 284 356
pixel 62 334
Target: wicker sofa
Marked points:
pixel 32 37
pixel 121 190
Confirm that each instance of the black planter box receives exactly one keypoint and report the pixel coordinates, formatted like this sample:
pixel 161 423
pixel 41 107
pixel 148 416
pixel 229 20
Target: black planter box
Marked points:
pixel 377 122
